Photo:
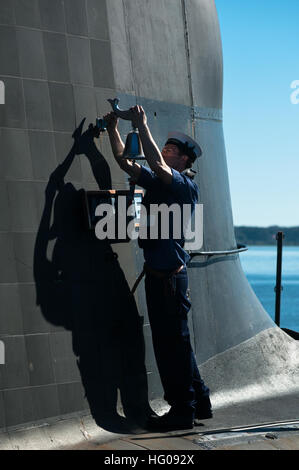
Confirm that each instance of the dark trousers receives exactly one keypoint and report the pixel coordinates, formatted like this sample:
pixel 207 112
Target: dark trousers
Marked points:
pixel 168 308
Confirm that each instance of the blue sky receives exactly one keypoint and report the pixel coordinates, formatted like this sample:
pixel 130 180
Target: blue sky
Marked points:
pixel 261 59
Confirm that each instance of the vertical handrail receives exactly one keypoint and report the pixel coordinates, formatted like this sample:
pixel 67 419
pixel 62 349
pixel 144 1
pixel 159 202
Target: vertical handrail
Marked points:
pixel 278 287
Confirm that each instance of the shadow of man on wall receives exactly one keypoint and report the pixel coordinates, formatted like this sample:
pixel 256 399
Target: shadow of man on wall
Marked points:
pixel 83 288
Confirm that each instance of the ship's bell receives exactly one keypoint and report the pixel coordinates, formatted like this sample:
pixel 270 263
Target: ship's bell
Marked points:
pixel 133 148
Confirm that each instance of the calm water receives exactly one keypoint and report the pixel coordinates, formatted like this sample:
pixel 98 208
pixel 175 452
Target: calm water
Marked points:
pixel 259 265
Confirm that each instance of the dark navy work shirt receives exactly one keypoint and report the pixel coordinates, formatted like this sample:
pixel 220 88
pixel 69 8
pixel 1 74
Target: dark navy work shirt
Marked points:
pixel 166 254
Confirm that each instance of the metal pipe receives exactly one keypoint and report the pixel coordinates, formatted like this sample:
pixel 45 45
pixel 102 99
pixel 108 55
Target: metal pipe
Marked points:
pixel 214 253
pixel 267 424
pixel 278 287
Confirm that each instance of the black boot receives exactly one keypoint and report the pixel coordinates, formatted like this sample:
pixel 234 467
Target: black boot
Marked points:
pixel 203 409
pixel 172 421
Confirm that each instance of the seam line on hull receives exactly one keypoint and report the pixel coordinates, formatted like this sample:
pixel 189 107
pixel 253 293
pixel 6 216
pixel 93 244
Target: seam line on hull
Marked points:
pixel 128 39
pixel 187 48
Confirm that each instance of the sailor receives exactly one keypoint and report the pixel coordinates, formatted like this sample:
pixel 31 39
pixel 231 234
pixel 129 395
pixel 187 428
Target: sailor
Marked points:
pixel 166 280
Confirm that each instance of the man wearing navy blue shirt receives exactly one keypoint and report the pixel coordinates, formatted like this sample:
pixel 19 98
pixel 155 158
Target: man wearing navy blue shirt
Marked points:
pixel 166 280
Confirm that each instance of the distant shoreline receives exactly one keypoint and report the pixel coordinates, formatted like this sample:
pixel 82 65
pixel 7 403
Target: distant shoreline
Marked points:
pixel 261 236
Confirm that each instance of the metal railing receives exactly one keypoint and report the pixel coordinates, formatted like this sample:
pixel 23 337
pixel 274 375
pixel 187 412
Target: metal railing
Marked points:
pixel 239 249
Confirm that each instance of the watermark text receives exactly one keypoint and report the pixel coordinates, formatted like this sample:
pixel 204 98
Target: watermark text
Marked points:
pixel 2 92
pixel 2 353
pixel 295 94
pixel 158 222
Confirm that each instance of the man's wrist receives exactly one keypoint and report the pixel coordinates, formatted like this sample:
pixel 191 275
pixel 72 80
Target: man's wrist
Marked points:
pixel 143 128
pixel 113 132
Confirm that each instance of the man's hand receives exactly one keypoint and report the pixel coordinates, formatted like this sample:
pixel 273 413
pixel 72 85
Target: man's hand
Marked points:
pixel 112 122
pixel 139 117
pixel 151 151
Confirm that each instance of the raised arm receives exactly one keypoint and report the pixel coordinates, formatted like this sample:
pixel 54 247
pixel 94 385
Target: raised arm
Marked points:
pixel 132 168
pixel 150 148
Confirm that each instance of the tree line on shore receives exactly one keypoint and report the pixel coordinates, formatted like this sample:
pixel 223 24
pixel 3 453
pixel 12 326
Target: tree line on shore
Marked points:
pixel 266 235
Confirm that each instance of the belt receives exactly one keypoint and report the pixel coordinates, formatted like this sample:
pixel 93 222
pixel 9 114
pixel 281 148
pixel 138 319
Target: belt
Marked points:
pixel 156 273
